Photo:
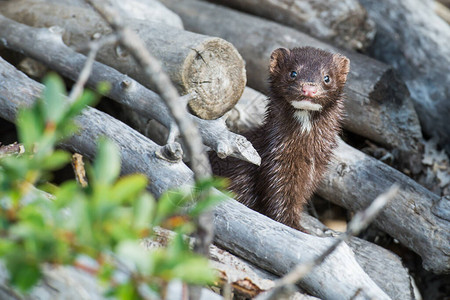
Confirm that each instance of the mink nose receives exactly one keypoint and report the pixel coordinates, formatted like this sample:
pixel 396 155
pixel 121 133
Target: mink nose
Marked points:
pixel 309 90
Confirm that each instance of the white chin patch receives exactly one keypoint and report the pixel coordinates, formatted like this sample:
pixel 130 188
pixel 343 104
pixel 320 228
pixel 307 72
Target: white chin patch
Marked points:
pixel 304 118
pixel 306 105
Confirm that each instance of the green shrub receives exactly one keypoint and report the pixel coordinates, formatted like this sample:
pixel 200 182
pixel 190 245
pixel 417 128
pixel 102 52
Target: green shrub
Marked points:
pixel 104 221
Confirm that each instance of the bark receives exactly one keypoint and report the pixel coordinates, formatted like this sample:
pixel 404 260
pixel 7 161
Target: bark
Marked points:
pixel 209 67
pixel 414 40
pixel 260 240
pixel 384 267
pixel 378 104
pixel 48 48
pixel 342 23
pixel 417 217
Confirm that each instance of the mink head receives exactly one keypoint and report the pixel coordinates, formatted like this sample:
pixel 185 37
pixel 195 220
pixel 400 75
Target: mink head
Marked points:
pixel 307 78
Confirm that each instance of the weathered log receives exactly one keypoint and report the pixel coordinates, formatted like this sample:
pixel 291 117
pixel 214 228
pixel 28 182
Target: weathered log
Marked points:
pixel 412 218
pixel 378 104
pixel 415 41
pixel 146 10
pixel 272 239
pixel 383 266
pixel 47 47
pixel 210 67
pixel 342 23
pixel 138 155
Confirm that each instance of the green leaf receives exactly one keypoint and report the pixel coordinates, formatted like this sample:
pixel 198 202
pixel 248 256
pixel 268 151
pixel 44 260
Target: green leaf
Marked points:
pixel 23 274
pixel 56 160
pixel 195 270
pixel 128 187
pixel 87 98
pixel 144 208
pixel 132 254
pixel 169 203
pixel 30 127
pixel 53 103
pixel 106 167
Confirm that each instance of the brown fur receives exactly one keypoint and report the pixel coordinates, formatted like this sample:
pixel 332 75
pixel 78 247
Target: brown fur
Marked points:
pixel 292 160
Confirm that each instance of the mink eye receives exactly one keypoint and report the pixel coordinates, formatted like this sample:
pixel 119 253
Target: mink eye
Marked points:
pixel 293 74
pixel 327 79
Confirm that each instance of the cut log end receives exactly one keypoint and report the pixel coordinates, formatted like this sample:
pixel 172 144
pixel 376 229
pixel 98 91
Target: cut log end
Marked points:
pixel 204 72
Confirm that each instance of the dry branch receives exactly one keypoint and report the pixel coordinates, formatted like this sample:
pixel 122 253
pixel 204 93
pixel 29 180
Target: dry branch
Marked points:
pixel 343 23
pixel 378 104
pixel 209 67
pixel 48 48
pixel 415 41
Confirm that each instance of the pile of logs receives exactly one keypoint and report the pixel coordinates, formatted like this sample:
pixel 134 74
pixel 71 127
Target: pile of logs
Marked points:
pixel 211 64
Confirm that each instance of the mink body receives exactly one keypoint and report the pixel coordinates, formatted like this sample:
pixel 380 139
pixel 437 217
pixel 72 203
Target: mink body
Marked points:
pixel 297 137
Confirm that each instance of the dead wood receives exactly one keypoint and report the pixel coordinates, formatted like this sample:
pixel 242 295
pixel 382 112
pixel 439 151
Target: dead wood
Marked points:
pixel 260 240
pixel 415 41
pixel 47 47
pixel 417 217
pixel 383 266
pixel 378 104
pixel 413 217
pixel 209 67
pixel 342 23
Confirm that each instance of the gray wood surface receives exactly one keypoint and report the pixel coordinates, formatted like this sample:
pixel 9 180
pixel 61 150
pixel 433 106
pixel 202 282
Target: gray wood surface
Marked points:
pixel 416 42
pixel 342 23
pixel 378 105
pixel 210 67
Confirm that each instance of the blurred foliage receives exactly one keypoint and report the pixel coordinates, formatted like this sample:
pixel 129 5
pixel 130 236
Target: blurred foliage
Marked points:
pixel 103 222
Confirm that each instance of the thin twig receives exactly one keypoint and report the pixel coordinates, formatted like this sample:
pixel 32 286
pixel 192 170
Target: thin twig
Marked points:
pixel 360 221
pixel 94 47
pixel 188 130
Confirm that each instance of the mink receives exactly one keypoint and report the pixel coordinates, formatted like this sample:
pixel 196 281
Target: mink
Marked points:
pixel 295 142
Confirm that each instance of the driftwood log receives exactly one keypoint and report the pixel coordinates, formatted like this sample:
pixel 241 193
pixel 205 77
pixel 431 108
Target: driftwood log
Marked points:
pixel 342 23
pixel 418 218
pixel 415 41
pixel 209 67
pixel 138 155
pixel 48 48
pixel 378 104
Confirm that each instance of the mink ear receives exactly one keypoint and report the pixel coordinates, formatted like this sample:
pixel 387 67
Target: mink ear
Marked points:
pixel 343 64
pixel 277 58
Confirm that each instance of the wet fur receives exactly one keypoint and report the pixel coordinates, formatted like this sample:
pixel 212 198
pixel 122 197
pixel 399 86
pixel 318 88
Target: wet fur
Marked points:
pixel 294 154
